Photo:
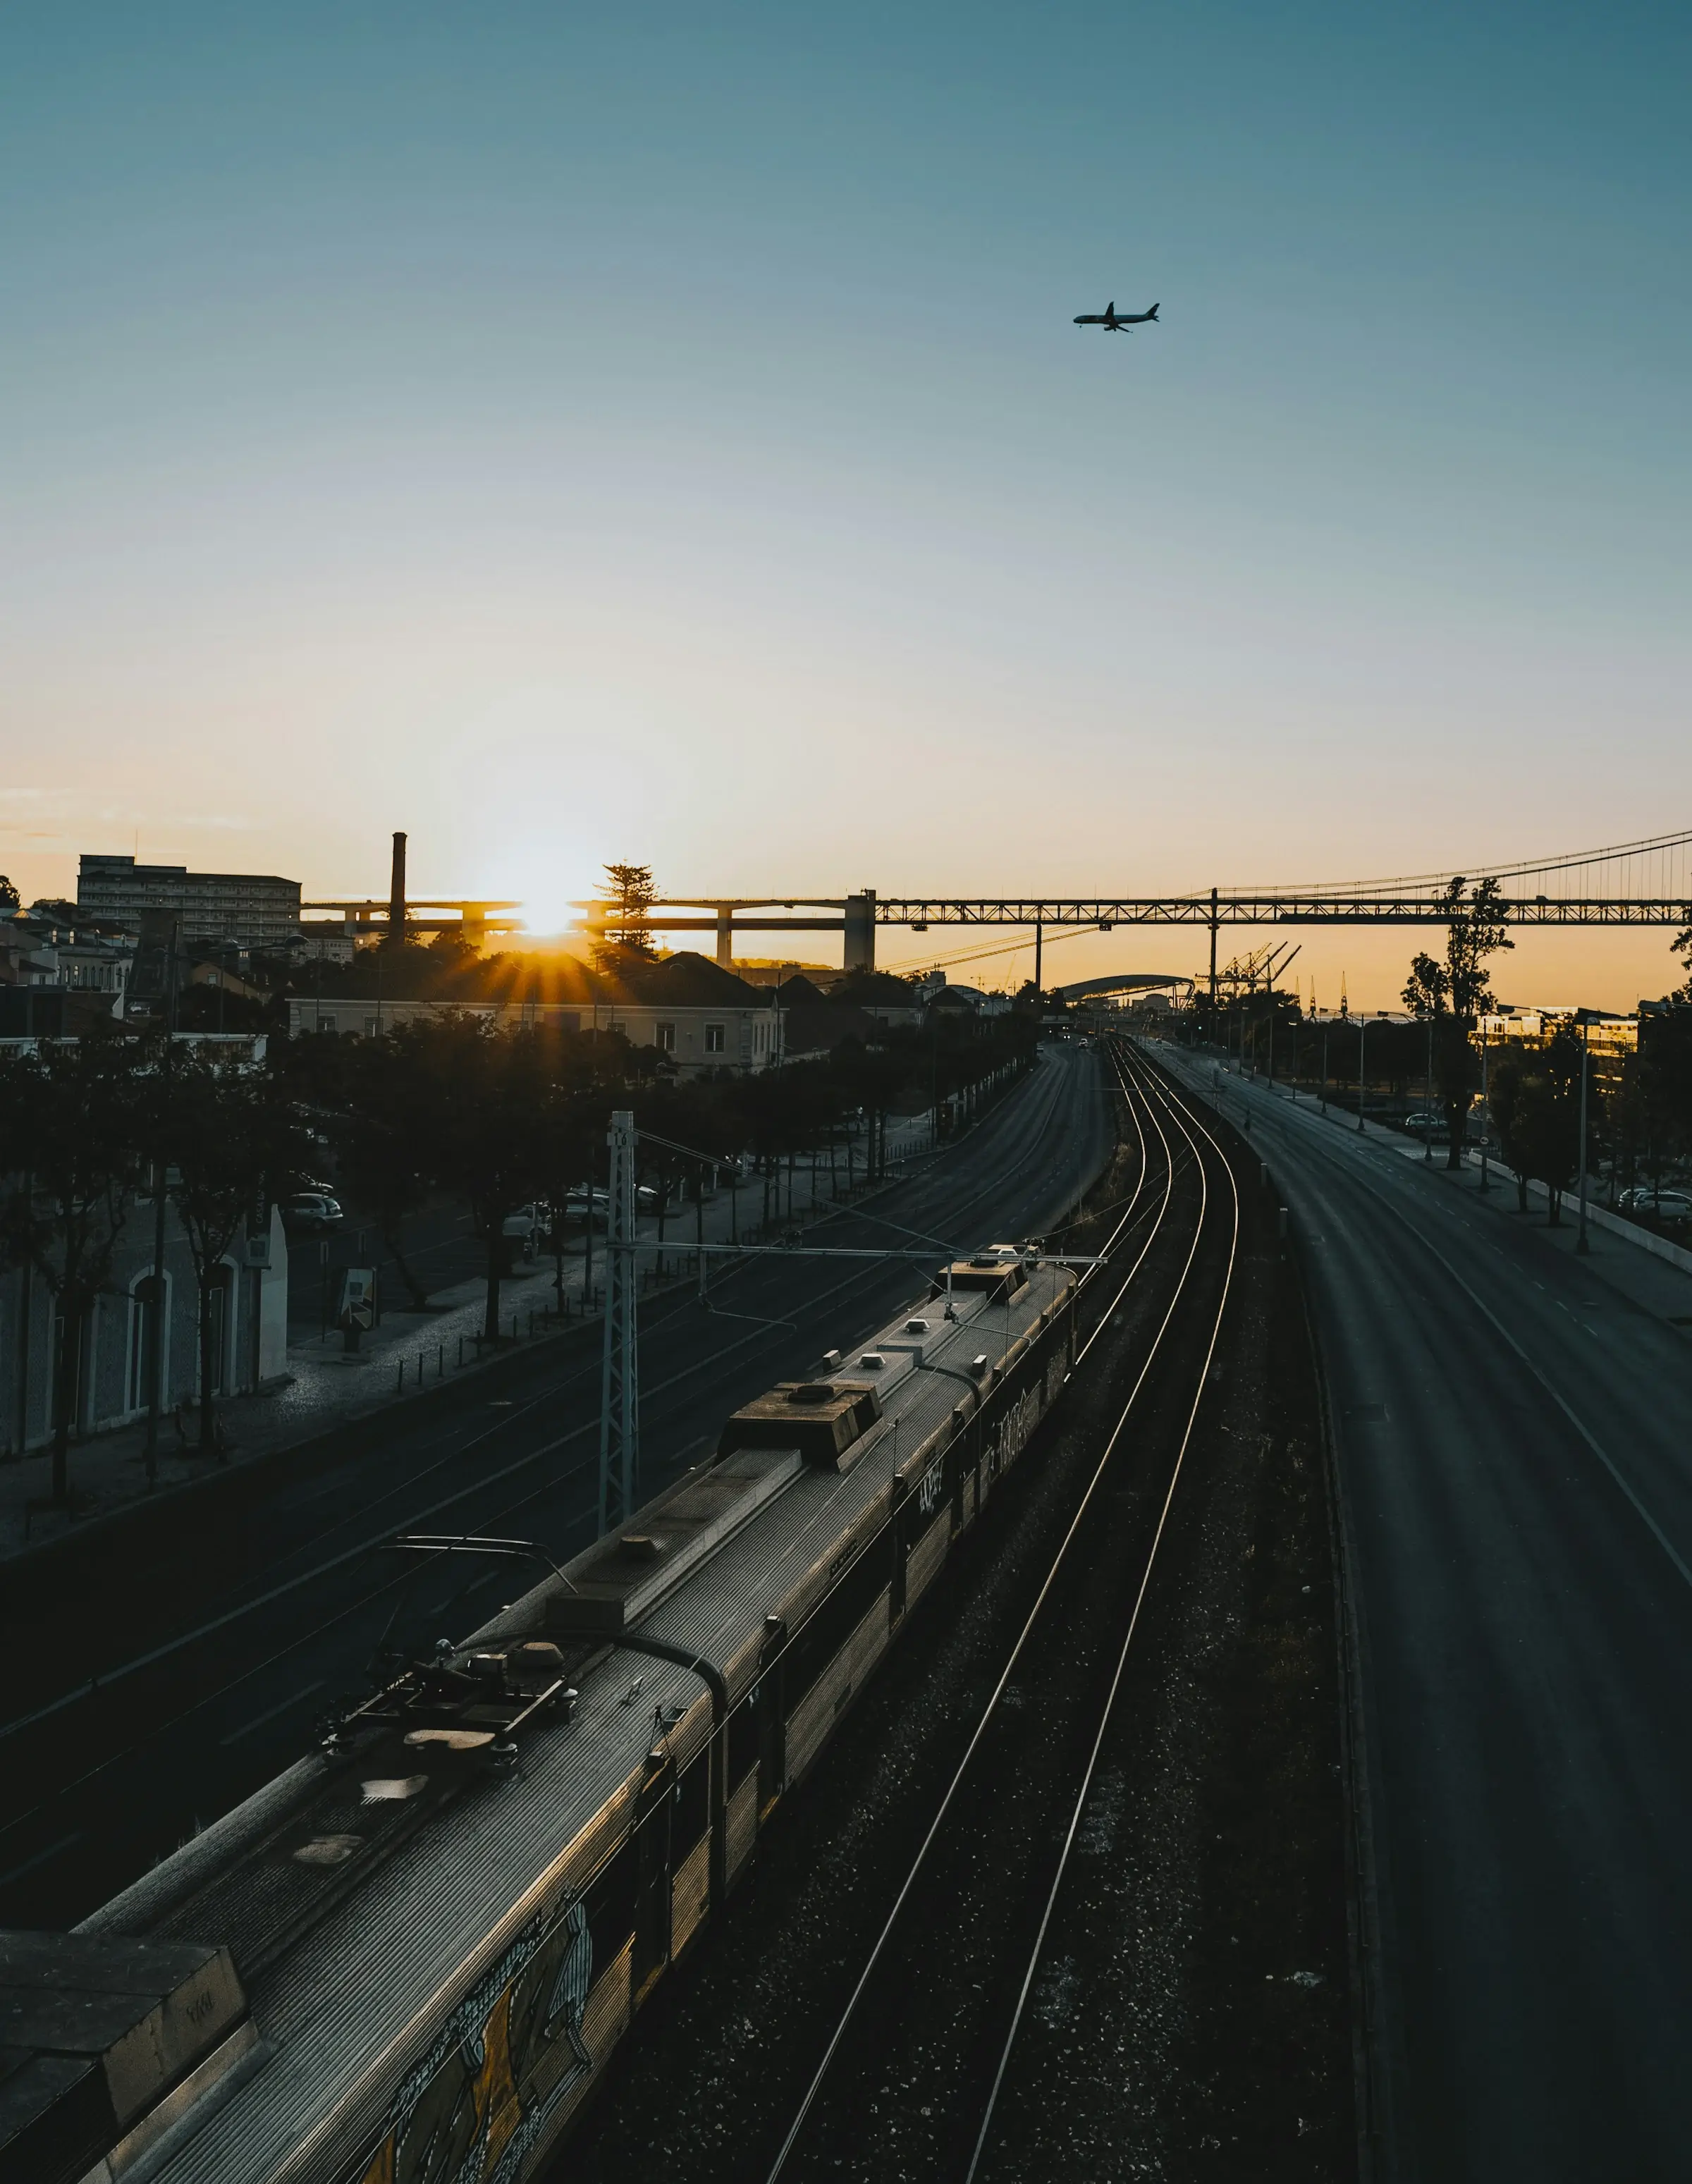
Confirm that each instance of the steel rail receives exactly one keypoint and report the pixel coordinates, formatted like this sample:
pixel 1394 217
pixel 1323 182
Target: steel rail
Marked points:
pixel 105 1678
pixel 908 1883
pixel 1173 1103
pixel 98 1686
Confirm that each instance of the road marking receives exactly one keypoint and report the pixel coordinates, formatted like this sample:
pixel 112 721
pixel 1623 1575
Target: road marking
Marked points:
pixel 1574 1419
pixel 258 1720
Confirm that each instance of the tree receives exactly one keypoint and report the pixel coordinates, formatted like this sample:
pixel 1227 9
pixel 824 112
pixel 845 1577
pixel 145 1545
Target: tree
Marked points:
pixel 1536 1104
pixel 387 1135
pixel 1659 1087
pixel 74 1130
pixel 629 892
pixel 9 900
pixel 489 1093
pixel 229 1138
pixel 1455 993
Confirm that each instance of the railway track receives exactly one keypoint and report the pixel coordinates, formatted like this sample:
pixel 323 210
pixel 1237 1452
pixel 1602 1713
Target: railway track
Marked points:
pixel 921 2067
pixel 108 1775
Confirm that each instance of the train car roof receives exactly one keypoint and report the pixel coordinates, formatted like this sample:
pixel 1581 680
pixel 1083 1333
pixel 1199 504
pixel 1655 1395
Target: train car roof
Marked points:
pixel 346 1996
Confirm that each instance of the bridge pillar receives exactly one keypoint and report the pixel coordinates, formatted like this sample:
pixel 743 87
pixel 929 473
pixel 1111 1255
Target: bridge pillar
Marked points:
pixel 860 931
pixel 725 936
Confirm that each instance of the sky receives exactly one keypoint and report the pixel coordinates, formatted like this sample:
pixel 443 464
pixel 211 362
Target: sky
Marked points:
pixel 659 433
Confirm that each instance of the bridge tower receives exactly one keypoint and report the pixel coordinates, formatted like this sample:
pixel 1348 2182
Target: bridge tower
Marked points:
pixel 860 931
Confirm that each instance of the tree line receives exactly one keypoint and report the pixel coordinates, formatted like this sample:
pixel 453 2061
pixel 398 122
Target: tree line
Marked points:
pixel 495 1119
pixel 1639 1108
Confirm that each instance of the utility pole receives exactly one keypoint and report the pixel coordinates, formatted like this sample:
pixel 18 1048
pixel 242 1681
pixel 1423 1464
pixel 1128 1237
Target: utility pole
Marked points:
pixel 1213 948
pixel 1486 1111
pixel 1324 1069
pixel 1427 1101
pixel 619 1389
pixel 1039 935
pixel 1580 1242
pixel 1362 1026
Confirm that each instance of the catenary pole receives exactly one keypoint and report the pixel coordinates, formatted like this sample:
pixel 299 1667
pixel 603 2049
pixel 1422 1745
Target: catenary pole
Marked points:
pixel 619 1389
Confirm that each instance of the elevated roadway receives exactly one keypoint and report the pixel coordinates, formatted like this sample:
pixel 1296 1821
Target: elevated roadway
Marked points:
pixel 1510 1424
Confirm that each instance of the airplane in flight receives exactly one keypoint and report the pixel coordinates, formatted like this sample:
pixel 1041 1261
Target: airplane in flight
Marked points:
pixel 1113 321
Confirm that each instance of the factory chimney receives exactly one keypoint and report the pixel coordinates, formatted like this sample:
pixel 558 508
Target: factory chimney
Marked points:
pixel 396 893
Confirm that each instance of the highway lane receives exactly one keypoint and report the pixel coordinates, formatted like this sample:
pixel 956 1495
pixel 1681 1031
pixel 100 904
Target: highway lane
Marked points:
pixel 1511 1432
pixel 246 1654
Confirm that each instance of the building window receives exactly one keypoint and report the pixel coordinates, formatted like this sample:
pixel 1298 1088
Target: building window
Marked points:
pixel 666 1038
pixel 141 1330
pixel 713 1038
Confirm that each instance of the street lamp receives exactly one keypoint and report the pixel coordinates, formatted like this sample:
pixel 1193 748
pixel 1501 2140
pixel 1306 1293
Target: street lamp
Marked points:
pixel 1362 1026
pixel 1584 1018
pixel 1427 1099
pixel 1486 1111
pixel 1324 1069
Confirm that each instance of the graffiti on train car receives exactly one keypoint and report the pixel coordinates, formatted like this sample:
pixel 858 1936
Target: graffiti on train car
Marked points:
pixel 482 2099
pixel 1007 1438
pixel 1009 1435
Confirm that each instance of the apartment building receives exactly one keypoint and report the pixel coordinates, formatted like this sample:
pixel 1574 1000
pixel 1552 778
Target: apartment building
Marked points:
pixel 250 909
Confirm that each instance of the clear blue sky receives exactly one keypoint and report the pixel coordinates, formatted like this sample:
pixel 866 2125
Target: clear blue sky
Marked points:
pixel 659 432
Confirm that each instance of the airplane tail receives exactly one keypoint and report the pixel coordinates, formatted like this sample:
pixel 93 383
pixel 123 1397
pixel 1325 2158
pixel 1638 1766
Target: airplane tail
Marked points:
pixel 1110 308
pixel 1152 312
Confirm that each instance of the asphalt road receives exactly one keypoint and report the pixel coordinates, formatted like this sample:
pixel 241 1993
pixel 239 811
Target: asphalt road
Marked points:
pixel 216 1682
pixel 1517 1486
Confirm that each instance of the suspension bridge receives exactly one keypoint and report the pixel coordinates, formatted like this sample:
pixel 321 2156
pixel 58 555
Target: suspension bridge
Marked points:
pixel 1644 882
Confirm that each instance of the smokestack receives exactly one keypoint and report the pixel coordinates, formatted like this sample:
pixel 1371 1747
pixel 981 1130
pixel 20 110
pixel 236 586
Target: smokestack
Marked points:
pixel 396 893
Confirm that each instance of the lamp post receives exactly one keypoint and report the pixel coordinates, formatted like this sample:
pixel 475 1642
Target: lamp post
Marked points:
pixel 1324 1069
pixel 1362 1026
pixel 1427 1099
pixel 1585 1020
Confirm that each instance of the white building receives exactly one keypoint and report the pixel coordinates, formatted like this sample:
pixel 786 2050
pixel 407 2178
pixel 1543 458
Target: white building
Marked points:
pixel 694 1039
pixel 113 1347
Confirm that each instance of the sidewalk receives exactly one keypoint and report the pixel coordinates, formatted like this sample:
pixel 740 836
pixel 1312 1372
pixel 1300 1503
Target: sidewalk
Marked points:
pixel 409 1354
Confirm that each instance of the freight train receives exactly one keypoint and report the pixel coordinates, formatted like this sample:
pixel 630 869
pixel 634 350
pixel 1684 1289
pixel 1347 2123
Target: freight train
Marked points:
pixel 408 1960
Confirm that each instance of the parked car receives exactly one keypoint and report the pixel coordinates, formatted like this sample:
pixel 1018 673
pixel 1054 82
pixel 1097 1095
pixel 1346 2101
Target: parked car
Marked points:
pixel 530 1224
pixel 308 1211
pixel 575 1206
pixel 1670 1205
pixel 1426 1123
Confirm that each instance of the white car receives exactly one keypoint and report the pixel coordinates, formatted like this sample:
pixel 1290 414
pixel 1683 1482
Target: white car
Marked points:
pixel 1667 1205
pixel 531 1224
pixel 311 1210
